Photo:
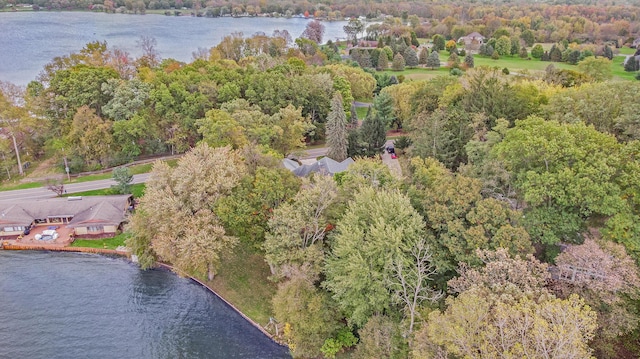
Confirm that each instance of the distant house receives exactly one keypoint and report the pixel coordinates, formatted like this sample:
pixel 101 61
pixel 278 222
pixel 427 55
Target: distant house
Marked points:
pixel 473 38
pixel 90 217
pixel 325 166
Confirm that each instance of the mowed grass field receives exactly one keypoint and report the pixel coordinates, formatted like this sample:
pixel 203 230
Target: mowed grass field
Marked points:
pixel 516 65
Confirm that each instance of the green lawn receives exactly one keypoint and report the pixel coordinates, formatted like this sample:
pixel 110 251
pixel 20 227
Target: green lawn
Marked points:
pixel 243 281
pixel 136 189
pixel 626 51
pixel 11 187
pixel 362 112
pixel 108 243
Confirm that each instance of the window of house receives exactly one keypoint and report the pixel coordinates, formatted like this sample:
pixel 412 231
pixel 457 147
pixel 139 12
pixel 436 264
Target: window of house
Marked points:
pixel 95 229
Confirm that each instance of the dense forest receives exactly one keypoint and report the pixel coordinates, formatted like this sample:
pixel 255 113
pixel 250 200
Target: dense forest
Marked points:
pixel 513 231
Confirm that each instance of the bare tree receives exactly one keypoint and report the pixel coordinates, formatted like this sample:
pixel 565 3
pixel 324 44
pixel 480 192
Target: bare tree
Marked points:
pixel 411 278
pixel 55 185
pixel 150 56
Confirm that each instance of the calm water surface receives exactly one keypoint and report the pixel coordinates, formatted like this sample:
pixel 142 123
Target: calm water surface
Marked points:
pixel 29 40
pixel 65 305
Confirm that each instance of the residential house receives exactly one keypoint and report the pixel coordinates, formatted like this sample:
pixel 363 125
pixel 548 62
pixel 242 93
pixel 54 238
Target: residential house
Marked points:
pixel 90 217
pixel 473 38
pixel 325 166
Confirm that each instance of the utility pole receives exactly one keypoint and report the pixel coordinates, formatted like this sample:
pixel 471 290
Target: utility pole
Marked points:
pixel 15 146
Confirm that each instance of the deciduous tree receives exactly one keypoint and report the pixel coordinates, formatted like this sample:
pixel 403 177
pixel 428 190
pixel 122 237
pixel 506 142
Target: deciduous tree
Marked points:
pixel 378 226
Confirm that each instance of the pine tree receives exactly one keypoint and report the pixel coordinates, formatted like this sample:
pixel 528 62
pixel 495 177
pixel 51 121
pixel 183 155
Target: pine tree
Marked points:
pixel 398 63
pixel 433 61
pixel 410 57
pixel 606 52
pixel 631 64
pixel 383 61
pixel 353 121
pixel 523 53
pixel 337 130
pixel 469 62
pixel 373 134
pixel 424 54
pixel 414 39
pixel 555 54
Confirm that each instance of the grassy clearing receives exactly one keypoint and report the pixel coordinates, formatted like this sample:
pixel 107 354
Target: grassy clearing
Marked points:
pixel 626 51
pixel 362 112
pixel 617 69
pixel 108 243
pixel 136 189
pixel 243 281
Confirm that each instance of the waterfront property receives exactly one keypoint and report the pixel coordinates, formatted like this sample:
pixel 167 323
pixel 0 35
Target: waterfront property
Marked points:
pixel 84 217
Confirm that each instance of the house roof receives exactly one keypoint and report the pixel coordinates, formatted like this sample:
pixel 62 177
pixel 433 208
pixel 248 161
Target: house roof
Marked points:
pixel 290 164
pixel 101 210
pixel 475 35
pixel 326 165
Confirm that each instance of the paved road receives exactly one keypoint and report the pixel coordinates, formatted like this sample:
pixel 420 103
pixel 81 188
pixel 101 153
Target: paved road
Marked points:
pixel 41 192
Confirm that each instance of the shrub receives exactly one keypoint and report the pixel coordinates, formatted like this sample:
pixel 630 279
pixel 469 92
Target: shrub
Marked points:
pixel 456 72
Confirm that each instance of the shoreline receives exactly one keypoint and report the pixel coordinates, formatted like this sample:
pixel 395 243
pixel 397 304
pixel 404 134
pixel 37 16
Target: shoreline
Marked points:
pixel 127 254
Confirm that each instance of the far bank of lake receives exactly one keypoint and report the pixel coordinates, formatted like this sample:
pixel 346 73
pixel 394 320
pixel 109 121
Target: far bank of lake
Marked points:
pixel 31 39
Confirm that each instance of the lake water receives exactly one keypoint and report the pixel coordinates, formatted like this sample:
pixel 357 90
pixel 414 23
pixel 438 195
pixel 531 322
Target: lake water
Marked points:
pixel 29 40
pixel 67 305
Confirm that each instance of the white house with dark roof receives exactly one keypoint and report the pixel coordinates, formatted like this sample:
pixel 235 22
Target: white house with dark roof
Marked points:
pixel 90 217
pixel 472 39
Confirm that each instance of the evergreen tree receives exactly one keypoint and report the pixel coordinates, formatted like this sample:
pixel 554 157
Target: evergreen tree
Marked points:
pixel 574 57
pixel 453 61
pixel 398 63
pixel 373 134
pixel 607 52
pixel 515 46
pixel 523 52
pixel 336 130
pixel 353 120
pixel 555 54
pixel 410 57
pixel 433 61
pixel 468 61
pixel 545 56
pixel 631 64
pixel 424 54
pixel 438 42
pixel 383 61
pixel 414 39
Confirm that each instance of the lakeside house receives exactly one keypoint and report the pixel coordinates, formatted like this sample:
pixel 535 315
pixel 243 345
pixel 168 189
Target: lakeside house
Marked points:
pixel 87 217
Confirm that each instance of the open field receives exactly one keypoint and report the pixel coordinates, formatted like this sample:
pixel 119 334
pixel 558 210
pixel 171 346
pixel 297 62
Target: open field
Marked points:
pixel 515 64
